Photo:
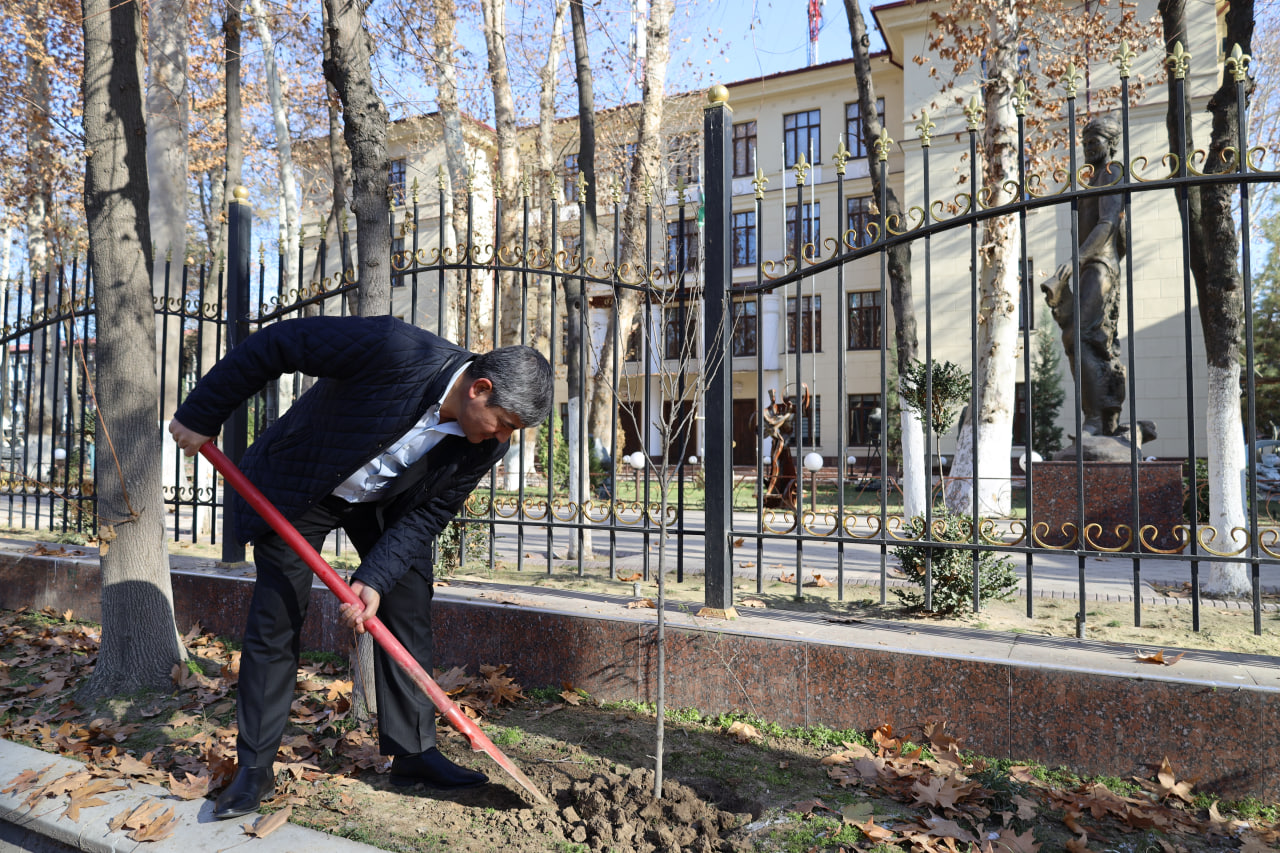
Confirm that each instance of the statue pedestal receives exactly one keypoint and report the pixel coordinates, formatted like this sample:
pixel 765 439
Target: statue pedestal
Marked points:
pixel 1107 497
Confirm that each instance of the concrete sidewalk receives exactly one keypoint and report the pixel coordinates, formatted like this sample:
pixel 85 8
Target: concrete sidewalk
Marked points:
pixel 44 827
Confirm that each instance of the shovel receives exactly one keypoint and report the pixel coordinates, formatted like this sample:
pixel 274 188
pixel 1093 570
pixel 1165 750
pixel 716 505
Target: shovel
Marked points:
pixel 447 707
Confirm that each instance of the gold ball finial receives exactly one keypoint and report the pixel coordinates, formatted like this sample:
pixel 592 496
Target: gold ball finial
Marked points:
pixel 717 94
pixel 241 195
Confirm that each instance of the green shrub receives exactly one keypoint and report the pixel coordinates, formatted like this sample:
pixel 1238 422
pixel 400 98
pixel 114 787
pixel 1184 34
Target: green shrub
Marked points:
pixel 952 567
pixel 448 543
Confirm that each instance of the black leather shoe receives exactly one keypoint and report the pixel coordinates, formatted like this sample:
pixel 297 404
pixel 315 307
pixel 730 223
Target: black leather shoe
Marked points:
pixel 433 770
pixel 245 792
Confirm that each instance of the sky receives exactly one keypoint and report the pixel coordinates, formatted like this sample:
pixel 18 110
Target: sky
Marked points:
pixel 762 37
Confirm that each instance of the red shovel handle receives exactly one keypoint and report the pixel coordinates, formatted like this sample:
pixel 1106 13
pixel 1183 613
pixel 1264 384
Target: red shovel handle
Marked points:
pixel 447 707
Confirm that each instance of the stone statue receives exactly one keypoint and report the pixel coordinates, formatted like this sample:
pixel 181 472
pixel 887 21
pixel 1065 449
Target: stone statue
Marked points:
pixel 1102 248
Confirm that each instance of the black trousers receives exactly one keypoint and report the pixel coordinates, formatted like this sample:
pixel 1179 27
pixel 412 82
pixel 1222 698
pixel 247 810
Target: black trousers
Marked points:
pixel 272 639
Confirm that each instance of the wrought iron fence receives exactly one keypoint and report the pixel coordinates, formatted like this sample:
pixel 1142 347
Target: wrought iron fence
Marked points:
pixel 720 327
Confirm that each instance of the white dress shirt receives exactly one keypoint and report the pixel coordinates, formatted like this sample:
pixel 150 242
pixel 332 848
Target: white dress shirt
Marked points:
pixel 375 476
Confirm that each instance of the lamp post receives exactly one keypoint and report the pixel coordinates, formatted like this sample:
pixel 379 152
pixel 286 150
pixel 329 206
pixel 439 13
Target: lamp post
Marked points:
pixel 813 464
pixel 636 461
pixel 850 461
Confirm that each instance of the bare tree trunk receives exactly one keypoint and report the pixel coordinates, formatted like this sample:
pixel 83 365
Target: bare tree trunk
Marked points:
pixel 574 290
pixel 1214 267
pixel 337 164
pixel 365 129
pixel 453 221
pixel 646 172
pixel 523 453
pixel 284 149
pixel 167 125
pixel 39 145
pixel 995 374
pixel 916 470
pixel 140 643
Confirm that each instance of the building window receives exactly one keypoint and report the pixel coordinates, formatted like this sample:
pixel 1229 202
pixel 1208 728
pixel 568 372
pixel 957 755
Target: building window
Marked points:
pixel 572 244
pixel 682 235
pixel 854 140
pixel 571 179
pixel 682 156
pixel 865 419
pixel 678 334
pixel 811 231
pixel 1019 416
pixel 744 238
pixel 858 216
pixel 399 261
pixel 801 134
pixel 396 174
pixel 744 149
pixel 810 432
pixel 744 327
pixel 864 319
pixel 810 324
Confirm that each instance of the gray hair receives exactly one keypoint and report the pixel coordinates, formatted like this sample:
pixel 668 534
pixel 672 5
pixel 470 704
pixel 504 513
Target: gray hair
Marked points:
pixel 522 381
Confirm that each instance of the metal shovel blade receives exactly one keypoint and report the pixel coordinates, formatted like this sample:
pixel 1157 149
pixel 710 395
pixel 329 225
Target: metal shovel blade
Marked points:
pixel 447 707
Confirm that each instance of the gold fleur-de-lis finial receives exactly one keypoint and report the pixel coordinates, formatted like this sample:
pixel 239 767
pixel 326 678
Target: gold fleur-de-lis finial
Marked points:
pixel 973 113
pixel 1179 61
pixel 441 177
pixel 1071 79
pixel 924 128
pixel 680 188
pixel 413 188
pixel 471 180
pixel 646 191
pixel 1237 64
pixel 1021 97
pixel 841 157
pixel 801 168
pixel 615 191
pixel 883 144
pixel 1123 58
pixel 759 181
pixel 302 235
pixel 581 183
pixel 345 219
pixel 526 185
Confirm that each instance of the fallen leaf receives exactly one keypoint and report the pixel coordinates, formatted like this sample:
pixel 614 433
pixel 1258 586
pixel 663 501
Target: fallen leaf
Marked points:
pixel 136 817
pixel 810 806
pixel 642 603
pixel 752 602
pixel 744 732
pixel 818 580
pixel 1169 786
pixel 629 578
pixel 24 781
pixel 874 831
pixel 191 787
pixel 1158 657
pixel 1078 845
pixel 87 797
pixel 856 813
pixel 573 697
pixel 787 578
pixel 264 826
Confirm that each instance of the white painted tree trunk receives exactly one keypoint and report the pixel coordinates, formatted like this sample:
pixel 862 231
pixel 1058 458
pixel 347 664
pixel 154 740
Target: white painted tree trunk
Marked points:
pixel 579 480
pixel 284 149
pixel 916 471
pixel 1228 522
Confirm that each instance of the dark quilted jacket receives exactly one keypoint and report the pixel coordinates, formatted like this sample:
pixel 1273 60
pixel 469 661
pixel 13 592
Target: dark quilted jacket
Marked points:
pixel 377 376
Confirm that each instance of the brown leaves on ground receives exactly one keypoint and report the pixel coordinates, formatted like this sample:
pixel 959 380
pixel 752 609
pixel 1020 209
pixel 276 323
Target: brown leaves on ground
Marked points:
pixel 198 757
pixel 961 812
pixel 264 826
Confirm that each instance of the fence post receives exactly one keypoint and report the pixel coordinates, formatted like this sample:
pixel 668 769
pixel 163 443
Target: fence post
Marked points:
pixel 236 431
pixel 717 367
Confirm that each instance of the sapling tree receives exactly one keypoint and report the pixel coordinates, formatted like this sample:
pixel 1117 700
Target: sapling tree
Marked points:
pixel 936 391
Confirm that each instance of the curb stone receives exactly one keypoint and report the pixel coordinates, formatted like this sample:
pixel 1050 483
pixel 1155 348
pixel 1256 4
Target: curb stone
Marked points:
pixel 43 829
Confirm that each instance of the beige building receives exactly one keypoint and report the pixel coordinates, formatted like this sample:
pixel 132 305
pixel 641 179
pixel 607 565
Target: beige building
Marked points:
pixel 813 112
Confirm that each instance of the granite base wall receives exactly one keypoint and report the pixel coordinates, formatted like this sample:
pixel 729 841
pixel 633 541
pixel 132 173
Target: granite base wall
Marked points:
pixel 1092 723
